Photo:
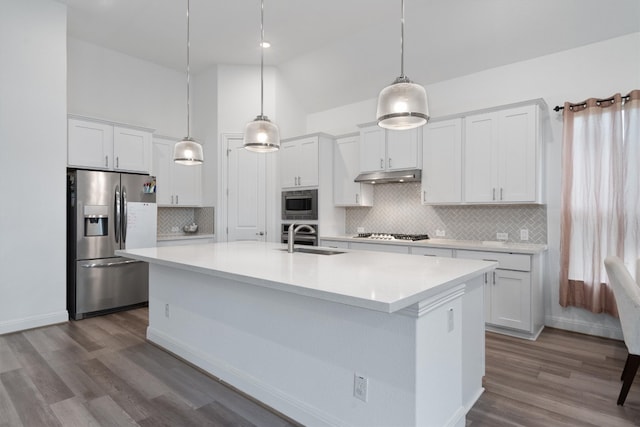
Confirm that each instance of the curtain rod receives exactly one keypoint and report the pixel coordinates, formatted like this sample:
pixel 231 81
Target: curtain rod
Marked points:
pixel 584 104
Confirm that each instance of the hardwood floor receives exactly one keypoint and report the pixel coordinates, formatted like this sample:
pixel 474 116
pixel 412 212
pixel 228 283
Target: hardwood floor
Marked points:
pixel 101 371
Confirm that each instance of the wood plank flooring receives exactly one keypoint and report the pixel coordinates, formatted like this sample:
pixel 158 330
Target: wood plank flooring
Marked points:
pixel 101 372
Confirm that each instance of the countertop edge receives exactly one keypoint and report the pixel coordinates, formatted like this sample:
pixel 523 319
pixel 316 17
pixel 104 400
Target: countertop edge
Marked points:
pixel 530 248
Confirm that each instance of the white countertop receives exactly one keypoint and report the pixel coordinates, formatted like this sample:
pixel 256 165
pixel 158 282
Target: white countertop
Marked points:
pixel 374 280
pixel 492 246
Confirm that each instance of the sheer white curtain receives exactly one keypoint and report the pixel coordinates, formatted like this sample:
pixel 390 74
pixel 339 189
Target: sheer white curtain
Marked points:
pixel 600 197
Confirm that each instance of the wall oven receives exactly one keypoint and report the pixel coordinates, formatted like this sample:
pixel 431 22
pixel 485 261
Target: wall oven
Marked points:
pixel 300 205
pixel 302 237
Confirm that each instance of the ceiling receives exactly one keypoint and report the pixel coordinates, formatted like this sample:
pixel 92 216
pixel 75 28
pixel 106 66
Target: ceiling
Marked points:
pixel 335 52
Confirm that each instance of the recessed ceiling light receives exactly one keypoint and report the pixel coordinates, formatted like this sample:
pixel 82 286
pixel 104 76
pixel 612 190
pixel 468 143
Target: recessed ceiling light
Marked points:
pixel 265 44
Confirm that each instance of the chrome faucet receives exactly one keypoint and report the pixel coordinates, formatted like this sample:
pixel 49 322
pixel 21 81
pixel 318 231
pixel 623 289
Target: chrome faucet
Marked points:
pixel 293 229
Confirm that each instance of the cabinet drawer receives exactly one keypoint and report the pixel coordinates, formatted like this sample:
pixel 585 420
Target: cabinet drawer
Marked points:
pixel 506 261
pixel 379 247
pixel 448 253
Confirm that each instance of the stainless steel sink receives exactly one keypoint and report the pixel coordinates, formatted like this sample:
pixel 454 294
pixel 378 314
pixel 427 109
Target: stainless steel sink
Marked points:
pixel 316 251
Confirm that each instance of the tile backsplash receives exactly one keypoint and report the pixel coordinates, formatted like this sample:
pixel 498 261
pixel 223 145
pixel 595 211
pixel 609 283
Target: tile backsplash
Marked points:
pixel 397 208
pixel 179 217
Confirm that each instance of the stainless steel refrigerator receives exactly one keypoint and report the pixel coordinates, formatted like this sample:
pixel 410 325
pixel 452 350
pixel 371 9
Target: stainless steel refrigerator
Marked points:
pixel 107 211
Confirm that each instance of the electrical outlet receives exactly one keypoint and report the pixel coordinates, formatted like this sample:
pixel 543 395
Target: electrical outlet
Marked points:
pixel 360 229
pixel 440 233
pixel 166 311
pixel 360 385
pixel 502 236
pixel 175 229
pixel 524 234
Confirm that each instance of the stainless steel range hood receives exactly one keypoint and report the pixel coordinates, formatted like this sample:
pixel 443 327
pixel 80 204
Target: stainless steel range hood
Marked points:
pixel 384 177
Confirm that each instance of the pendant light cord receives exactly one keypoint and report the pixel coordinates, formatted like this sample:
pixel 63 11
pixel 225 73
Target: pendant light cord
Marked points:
pixel 402 39
pixel 188 92
pixel 261 58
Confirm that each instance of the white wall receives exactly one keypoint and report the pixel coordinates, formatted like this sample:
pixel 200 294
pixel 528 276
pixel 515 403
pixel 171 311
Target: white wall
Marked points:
pixel 33 138
pixel 596 70
pixel 109 85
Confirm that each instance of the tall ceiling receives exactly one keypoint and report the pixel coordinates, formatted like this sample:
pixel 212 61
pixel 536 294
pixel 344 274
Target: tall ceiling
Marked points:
pixel 335 52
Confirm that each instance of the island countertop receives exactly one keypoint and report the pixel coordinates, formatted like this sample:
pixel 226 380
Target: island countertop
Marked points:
pixel 378 281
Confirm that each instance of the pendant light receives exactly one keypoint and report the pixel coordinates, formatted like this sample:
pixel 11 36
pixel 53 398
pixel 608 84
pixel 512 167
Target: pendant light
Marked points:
pixel 188 151
pixel 403 104
pixel 261 135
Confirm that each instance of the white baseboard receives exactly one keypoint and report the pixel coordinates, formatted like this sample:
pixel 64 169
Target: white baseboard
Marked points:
pixel 584 327
pixel 266 394
pixel 15 325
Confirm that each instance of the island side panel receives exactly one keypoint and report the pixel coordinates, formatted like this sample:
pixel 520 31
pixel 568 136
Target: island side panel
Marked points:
pixel 473 341
pixel 294 353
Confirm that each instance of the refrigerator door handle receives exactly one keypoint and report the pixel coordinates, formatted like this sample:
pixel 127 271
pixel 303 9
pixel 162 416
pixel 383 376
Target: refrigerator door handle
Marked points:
pixel 124 214
pixel 117 213
pixel 110 264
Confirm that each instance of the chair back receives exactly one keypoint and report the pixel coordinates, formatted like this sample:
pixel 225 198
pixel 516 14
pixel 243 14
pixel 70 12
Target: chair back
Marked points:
pixel 627 294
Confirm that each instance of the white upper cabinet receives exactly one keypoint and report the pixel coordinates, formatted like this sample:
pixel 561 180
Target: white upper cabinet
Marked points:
pixel 502 157
pixel 299 162
pixel 131 149
pixel 176 184
pixel 382 149
pixel 346 166
pixel 102 145
pixel 442 162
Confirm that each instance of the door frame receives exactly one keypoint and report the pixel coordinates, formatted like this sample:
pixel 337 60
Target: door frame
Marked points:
pixel 272 205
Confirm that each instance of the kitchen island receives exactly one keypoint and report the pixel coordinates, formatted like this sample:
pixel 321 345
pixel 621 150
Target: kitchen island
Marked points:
pixel 353 339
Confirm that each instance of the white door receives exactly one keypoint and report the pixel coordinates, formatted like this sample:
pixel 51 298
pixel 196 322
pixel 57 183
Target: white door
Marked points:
pixel 246 181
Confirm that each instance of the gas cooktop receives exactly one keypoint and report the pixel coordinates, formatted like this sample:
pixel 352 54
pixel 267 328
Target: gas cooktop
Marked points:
pixel 389 236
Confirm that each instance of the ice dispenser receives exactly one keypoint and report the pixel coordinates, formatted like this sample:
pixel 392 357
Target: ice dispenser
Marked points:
pixel 96 220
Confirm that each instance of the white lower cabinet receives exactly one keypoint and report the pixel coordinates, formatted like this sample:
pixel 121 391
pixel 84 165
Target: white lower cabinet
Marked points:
pixel 513 293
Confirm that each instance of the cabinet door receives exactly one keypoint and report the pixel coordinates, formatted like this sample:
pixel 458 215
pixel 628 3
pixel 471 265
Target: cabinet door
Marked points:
pixel 442 162
pixel 480 160
pixel 402 149
pixel 288 166
pixel 346 161
pixel 187 184
pixel 517 154
pixel 511 300
pixel 308 162
pixel 90 144
pixel 131 149
pixel 162 165
pixel 372 149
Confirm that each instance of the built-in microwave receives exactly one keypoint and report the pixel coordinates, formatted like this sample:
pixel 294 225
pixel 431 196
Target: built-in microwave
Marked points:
pixel 300 205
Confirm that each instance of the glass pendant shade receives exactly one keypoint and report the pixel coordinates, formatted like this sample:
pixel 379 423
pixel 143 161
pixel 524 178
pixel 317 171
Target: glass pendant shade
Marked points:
pixel 261 135
pixel 188 152
pixel 402 105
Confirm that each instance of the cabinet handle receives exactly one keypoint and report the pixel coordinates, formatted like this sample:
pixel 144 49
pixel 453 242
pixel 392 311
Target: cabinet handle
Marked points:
pixel 356 198
pixel 381 163
pixel 106 161
pixel 389 162
pixel 494 278
pixel 299 180
pixel 117 161
pixel 172 199
pixel 494 194
pixel 429 254
pixel 485 278
pixel 424 195
pixel 177 202
pixel 500 193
